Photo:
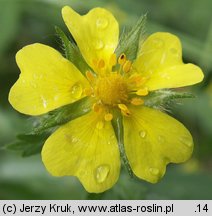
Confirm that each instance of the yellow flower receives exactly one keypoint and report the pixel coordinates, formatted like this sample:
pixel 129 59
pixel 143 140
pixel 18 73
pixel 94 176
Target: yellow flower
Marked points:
pixel 87 147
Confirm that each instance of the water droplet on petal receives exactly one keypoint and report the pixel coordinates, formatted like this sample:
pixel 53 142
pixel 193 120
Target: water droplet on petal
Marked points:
pixel 158 43
pixel 74 140
pixel 154 171
pixel 111 140
pixel 76 90
pixel 101 173
pixel 186 141
pixel 37 76
pixel 56 97
pixel 71 140
pixel 161 139
pixel 44 102
pixel 174 52
pixel 165 76
pixel 34 85
pixel 98 44
pixel 142 133
pixel 101 23
pixel 100 125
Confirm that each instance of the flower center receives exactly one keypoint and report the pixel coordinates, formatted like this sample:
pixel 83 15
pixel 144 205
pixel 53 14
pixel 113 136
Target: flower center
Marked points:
pixel 112 89
pixel 115 86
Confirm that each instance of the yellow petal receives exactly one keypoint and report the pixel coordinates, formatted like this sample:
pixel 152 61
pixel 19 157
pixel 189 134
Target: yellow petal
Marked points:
pixel 154 139
pixel 160 60
pixel 175 76
pixel 47 81
pixel 84 149
pixel 96 33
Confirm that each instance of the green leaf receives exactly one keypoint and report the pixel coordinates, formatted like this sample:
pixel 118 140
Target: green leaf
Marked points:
pixel 28 144
pixel 129 41
pixel 72 52
pixel 32 143
pixel 161 98
pixel 117 124
pixel 63 114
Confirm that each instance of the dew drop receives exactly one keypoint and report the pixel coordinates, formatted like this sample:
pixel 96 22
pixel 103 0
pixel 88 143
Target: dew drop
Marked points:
pixel 71 140
pixel 56 97
pixel 101 23
pixel 44 102
pixel 111 139
pixel 37 76
pixel 34 85
pixel 74 140
pixel 186 141
pixel 142 133
pixel 158 43
pixel 174 52
pixel 98 44
pixel 100 125
pixel 76 90
pixel 101 173
pixel 161 139
pixel 165 76
pixel 23 81
pixel 154 171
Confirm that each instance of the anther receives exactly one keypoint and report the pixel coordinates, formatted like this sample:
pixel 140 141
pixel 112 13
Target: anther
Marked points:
pixel 137 80
pixel 101 64
pixel 88 91
pixel 97 107
pixel 113 60
pixel 108 117
pixel 90 76
pixel 137 101
pixel 124 110
pixel 122 59
pixel 127 66
pixel 142 92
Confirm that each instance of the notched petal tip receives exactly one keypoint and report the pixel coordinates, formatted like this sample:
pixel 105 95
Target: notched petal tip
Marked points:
pixel 38 64
pixel 67 11
pixel 95 162
pixel 96 33
pixel 158 140
pixel 198 74
pixel 22 53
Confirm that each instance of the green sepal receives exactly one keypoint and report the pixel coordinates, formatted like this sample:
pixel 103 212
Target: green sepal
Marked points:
pixel 63 115
pixel 28 144
pixel 72 52
pixel 129 41
pixel 31 143
pixel 117 124
pixel 161 98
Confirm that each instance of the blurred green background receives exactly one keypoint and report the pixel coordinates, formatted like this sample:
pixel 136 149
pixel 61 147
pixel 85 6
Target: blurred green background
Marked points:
pixel 28 21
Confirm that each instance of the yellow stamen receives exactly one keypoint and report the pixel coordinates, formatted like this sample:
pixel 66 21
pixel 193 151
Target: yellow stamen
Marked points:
pixel 101 64
pixel 137 80
pixel 97 107
pixel 111 89
pixel 113 60
pixel 124 109
pixel 142 92
pixel 95 62
pixel 122 59
pixel 88 91
pixel 127 66
pixel 137 101
pixel 90 76
pixel 108 117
